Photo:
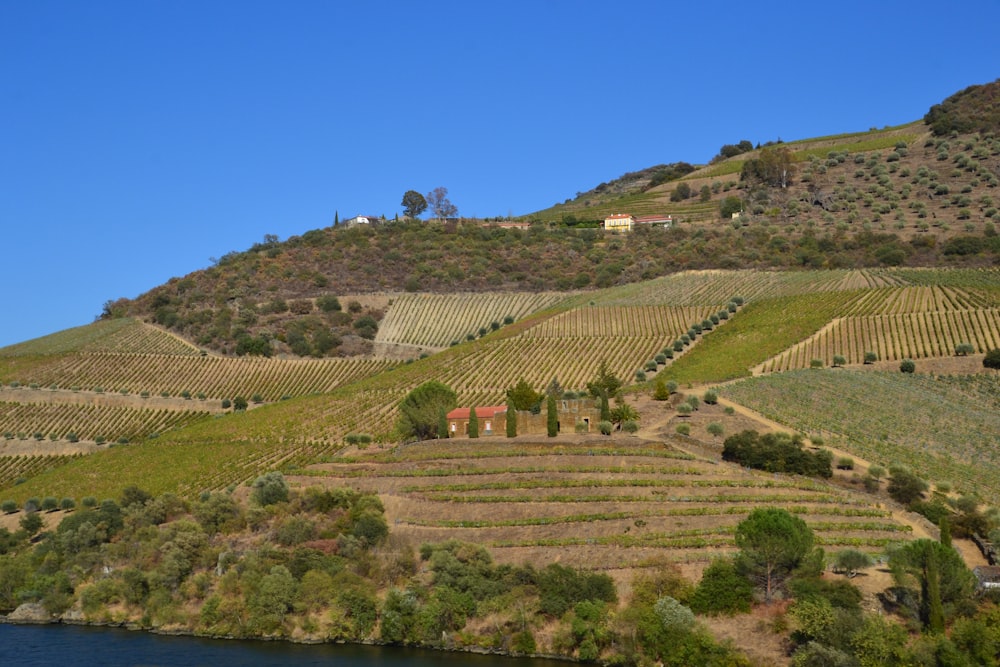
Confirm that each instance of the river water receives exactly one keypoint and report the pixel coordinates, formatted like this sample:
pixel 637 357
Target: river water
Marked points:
pixel 77 646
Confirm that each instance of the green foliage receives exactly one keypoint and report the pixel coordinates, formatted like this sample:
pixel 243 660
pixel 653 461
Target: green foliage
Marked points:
pixel 773 167
pixel 523 397
pixel 728 206
pixel 852 561
pixel 419 411
pixel 772 544
pixel 31 522
pixel 413 204
pixel 992 359
pixel 240 404
pixel 660 391
pixel 722 590
pixel 269 489
pixel 622 413
pixel 945 584
pixel 605 383
pixel 776 452
pixel 905 487
pixel 973 109
pixel 605 427
pixel 551 417
pixel 473 422
pixel 561 587
pixel 511 421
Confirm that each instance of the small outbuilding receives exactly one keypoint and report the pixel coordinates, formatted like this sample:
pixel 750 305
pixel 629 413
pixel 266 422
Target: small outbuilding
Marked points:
pixel 492 421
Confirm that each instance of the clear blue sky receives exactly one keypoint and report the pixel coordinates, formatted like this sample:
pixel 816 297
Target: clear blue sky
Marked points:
pixel 139 139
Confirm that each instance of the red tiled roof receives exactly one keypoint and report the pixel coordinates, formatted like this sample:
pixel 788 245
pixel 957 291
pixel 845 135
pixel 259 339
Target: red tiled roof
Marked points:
pixel 483 412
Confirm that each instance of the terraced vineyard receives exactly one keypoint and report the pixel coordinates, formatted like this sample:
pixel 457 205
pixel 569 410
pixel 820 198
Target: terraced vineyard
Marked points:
pixel 437 320
pixel 14 469
pixel 717 287
pixel 619 503
pixel 900 323
pixel 947 428
pixel 124 335
pixel 215 377
pixel 571 346
pixel 42 421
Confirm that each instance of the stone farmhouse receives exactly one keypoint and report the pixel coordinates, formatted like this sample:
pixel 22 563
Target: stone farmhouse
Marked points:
pixel 574 415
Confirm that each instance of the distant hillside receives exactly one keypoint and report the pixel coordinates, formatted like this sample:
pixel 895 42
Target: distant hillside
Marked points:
pixel 890 197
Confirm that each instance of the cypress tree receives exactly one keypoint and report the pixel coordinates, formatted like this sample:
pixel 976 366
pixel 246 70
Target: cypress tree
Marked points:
pixel 442 429
pixel 933 608
pixel 605 408
pixel 473 423
pixel 945 527
pixel 553 416
pixel 511 420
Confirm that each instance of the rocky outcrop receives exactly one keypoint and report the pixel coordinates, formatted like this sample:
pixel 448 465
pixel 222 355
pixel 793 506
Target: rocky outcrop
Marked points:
pixel 30 612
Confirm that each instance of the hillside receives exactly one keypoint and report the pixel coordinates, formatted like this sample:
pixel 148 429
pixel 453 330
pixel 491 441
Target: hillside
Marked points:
pixel 294 357
pixel 914 195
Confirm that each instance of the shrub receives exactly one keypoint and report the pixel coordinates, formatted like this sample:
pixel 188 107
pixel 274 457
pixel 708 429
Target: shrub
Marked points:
pixel 710 397
pixel 683 429
pixel 660 359
pixel 839 360
pixel 257 398
pixel 67 504
pixel 715 429
pixel 650 365
pixel 776 452
pixel 240 404
pixel 871 357
pixel 816 363
pixel 907 366
pixel 226 404
pixel 640 376
pixel 605 427
pixel 8 506
pixel 963 349
pixel 905 487
pixel 992 359
pixel 269 489
pixel 328 303
pixel 630 426
pixel 845 463
pixel 722 590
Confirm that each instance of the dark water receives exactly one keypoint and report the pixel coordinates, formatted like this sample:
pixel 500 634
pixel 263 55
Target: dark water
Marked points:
pixel 73 646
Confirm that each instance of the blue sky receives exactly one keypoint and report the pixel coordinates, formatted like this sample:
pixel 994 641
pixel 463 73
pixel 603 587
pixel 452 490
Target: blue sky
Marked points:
pixel 140 139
